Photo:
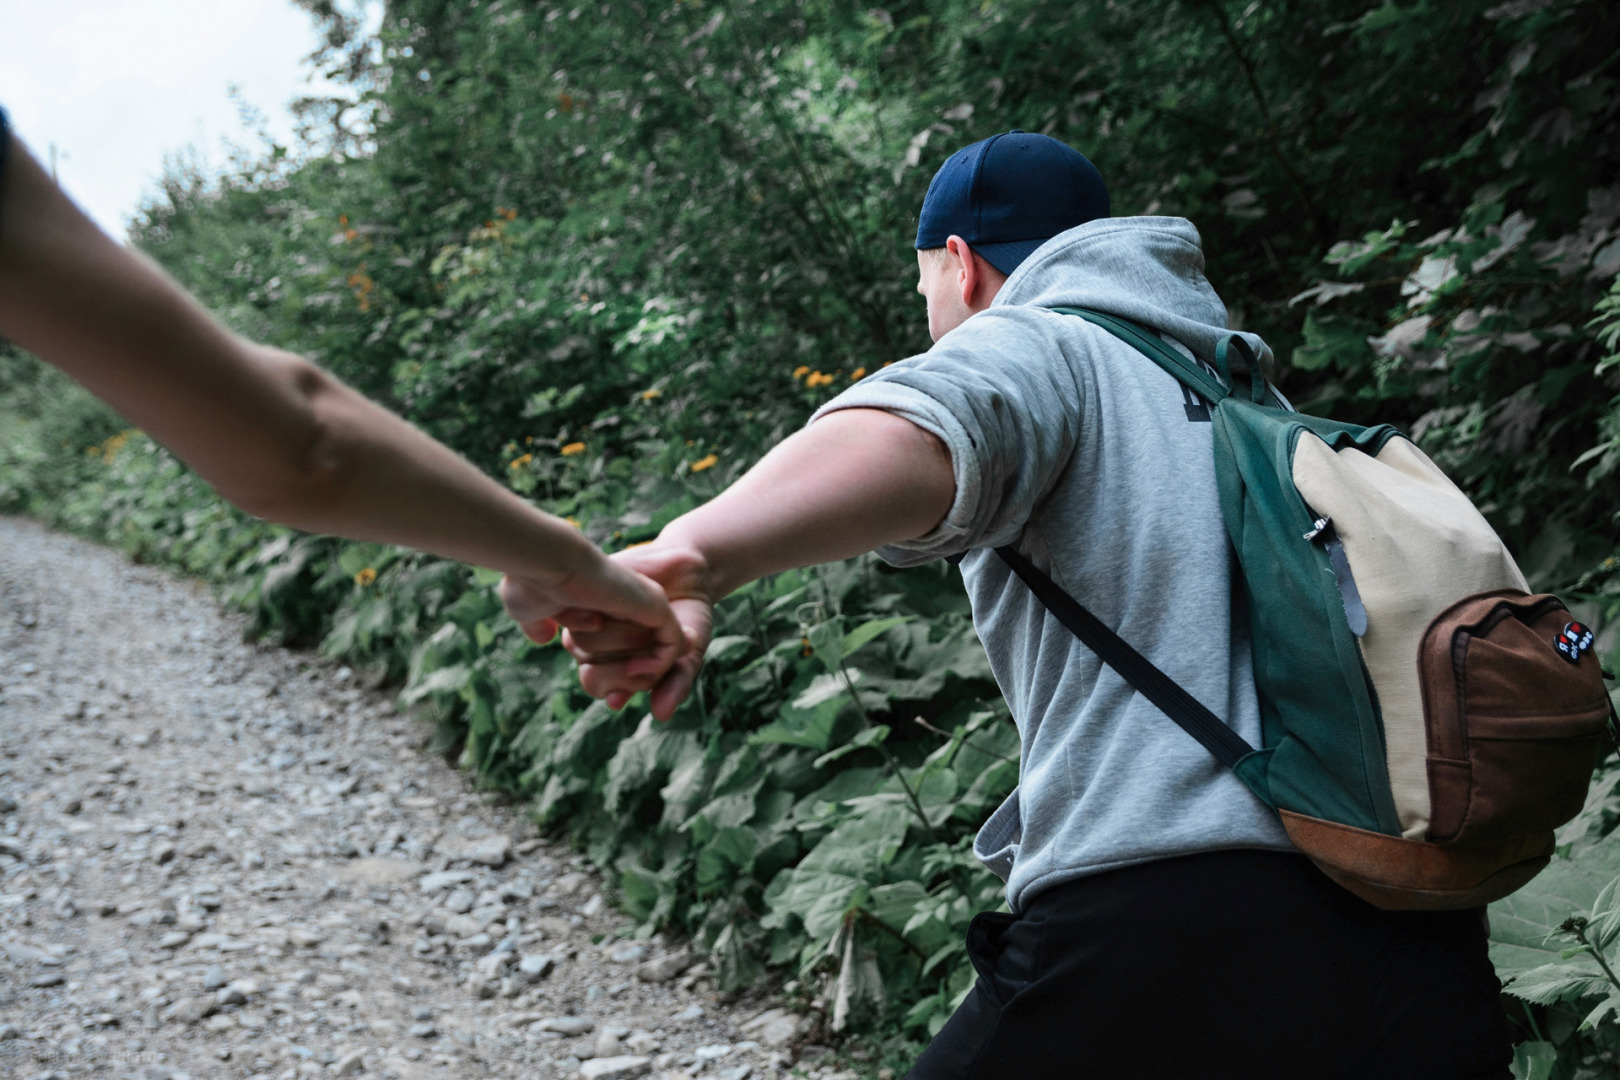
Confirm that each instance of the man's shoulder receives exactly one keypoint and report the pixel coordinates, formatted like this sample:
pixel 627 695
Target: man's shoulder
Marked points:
pixel 1019 325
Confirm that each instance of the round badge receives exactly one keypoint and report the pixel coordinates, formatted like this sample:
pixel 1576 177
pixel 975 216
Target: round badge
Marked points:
pixel 1574 639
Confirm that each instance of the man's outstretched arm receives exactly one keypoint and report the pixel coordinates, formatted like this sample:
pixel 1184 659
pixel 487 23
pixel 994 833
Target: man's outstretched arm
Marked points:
pixel 852 481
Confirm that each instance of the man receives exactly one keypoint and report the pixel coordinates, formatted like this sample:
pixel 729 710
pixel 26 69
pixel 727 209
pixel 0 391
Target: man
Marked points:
pixel 1161 925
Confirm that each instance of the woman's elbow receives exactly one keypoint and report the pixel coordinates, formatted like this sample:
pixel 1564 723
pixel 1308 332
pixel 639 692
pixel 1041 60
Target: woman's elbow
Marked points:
pixel 300 467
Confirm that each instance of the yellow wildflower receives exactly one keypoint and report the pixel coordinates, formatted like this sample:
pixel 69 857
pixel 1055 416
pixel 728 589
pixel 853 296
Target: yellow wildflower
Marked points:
pixel 574 521
pixel 648 395
pixel 522 460
pixel 705 462
pixel 365 577
pixel 110 448
pixel 801 371
pixel 572 448
pixel 361 283
pixel 857 375
pixel 816 378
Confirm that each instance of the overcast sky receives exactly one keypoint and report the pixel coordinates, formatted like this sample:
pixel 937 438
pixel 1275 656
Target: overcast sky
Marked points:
pixel 117 84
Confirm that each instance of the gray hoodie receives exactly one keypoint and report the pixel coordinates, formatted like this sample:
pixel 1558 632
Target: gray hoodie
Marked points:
pixel 1094 463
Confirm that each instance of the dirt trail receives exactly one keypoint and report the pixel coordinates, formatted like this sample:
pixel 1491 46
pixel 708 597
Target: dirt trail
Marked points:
pixel 222 860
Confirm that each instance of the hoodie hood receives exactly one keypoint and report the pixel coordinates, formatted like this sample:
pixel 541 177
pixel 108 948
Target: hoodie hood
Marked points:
pixel 1149 270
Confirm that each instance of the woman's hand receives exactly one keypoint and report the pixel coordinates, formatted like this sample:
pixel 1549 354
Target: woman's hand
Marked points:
pixel 607 594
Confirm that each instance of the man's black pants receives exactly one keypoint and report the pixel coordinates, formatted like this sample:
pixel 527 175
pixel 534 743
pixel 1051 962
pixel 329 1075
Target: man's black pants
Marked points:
pixel 1247 965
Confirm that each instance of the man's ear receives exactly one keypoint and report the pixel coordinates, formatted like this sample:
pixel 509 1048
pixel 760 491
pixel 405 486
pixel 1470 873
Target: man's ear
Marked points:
pixel 968 275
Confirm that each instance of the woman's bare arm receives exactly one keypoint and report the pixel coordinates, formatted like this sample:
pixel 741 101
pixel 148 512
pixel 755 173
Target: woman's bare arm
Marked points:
pixel 271 432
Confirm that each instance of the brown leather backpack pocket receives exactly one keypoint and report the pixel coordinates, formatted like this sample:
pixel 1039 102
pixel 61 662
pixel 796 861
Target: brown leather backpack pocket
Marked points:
pixel 1514 728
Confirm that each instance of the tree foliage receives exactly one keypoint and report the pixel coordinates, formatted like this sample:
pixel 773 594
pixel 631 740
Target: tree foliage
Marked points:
pixel 613 251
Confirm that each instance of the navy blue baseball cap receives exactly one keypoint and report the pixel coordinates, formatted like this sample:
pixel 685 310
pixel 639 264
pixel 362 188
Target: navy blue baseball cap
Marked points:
pixel 1008 195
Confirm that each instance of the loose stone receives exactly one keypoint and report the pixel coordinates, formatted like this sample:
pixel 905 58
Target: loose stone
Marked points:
pixel 535 967
pixel 664 968
pixel 565 1025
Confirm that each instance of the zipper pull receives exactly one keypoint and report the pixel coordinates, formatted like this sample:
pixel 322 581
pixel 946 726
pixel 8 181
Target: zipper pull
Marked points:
pixel 1355 612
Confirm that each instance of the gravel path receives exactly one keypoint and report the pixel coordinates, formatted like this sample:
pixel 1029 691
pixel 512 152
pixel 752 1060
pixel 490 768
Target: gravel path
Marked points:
pixel 221 860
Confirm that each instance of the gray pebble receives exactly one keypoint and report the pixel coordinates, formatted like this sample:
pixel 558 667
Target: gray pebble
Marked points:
pixel 565 1025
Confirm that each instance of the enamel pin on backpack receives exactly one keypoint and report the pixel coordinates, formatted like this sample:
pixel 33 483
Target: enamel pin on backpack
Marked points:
pixel 1426 721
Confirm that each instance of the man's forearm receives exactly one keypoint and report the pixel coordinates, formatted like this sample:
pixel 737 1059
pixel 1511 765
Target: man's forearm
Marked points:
pixel 852 481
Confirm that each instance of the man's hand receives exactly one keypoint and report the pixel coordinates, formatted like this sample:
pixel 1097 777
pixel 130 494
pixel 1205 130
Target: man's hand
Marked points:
pixel 618 659
pixel 608 595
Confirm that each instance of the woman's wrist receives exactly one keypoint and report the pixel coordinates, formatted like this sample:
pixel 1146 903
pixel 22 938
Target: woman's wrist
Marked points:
pixel 560 553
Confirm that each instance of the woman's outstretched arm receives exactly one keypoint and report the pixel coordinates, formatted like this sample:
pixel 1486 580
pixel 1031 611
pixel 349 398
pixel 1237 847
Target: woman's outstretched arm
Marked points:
pixel 271 432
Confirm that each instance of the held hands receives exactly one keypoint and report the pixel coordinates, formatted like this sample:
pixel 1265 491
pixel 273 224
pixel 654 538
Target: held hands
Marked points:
pixel 620 657
pixel 611 602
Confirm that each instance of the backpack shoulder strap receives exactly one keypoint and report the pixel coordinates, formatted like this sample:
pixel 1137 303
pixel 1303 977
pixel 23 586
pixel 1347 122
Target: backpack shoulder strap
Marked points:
pixel 1188 372
pixel 1215 736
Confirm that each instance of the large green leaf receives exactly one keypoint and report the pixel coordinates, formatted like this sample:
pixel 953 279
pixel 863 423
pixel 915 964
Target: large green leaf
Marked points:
pixel 827 639
pixel 819 900
pixel 868 631
pixel 446 680
pixel 812 727
pixel 860 847
pixel 1523 924
pixel 729 853
pixel 894 904
pixel 871 736
pixel 1534 1060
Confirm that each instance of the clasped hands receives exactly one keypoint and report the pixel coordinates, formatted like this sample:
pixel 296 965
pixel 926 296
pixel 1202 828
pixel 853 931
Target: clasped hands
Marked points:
pixel 618 658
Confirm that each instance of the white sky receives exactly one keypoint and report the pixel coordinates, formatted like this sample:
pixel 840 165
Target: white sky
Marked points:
pixel 117 84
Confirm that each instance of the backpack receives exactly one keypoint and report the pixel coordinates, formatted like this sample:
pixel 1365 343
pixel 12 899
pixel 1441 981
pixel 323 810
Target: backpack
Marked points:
pixel 1426 722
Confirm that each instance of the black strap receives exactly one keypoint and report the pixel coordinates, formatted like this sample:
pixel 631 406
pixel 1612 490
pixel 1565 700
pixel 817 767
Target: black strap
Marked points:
pixel 1227 745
